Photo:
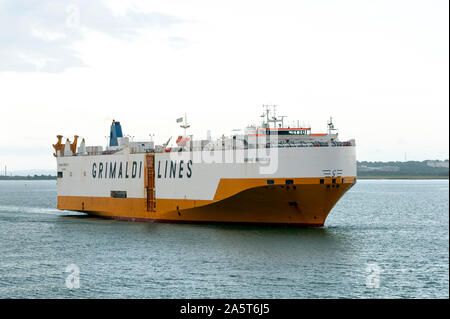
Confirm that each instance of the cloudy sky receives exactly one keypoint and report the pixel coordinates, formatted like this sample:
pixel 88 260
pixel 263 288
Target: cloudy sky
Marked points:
pixel 380 68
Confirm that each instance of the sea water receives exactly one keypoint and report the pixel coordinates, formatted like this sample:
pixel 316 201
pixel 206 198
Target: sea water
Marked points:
pixel 383 239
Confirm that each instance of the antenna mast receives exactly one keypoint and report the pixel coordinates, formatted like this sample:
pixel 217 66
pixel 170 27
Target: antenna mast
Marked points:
pixel 331 126
pixel 185 125
pixel 272 119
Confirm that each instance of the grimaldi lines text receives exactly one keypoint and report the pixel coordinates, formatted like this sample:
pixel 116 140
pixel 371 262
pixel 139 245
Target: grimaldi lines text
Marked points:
pixel 269 173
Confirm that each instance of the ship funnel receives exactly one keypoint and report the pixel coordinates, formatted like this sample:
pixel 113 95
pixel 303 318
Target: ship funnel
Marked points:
pixel 115 133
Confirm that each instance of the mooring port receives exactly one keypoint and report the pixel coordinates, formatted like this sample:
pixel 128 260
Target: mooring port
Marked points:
pixel 293 204
pixel 119 194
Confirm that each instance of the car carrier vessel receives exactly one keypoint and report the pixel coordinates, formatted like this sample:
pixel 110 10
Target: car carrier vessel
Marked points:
pixel 267 173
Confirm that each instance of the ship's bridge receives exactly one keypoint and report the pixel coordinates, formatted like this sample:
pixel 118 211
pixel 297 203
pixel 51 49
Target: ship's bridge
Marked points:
pixel 286 131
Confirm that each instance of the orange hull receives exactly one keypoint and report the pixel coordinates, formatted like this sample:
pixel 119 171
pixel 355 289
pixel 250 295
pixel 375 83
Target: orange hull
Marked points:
pixel 306 202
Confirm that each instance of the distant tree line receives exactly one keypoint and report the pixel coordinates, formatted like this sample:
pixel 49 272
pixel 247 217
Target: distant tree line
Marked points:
pixel 410 168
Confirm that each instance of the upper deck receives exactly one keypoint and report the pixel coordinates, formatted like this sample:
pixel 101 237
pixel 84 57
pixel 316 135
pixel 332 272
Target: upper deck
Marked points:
pixel 272 133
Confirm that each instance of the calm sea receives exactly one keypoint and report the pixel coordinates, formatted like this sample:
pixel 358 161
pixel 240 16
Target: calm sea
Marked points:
pixel 384 239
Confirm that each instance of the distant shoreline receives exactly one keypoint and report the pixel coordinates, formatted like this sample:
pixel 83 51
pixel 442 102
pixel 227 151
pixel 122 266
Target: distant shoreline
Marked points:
pixel 402 177
pixel 28 178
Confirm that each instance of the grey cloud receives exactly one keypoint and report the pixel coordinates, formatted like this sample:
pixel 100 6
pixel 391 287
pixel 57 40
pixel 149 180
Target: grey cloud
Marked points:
pixel 38 34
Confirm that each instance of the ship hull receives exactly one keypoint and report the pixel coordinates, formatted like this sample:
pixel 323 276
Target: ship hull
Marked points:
pixel 301 189
pixel 302 204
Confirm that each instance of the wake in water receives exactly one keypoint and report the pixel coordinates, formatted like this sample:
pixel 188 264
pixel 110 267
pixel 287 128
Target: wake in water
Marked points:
pixel 37 210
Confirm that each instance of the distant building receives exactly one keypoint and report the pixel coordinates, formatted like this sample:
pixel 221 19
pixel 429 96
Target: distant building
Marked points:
pixel 365 168
pixel 443 164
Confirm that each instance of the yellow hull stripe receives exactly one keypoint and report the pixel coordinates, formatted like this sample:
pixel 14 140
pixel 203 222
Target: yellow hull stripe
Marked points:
pixel 305 202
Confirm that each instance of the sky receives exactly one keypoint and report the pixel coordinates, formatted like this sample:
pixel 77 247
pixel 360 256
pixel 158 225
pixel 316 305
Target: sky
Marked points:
pixel 379 68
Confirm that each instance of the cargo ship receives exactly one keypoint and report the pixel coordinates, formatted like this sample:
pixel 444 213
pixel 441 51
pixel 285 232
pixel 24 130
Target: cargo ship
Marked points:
pixel 270 173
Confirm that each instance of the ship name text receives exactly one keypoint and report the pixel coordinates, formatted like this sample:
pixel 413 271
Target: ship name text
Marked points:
pixel 117 169
pixel 174 169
